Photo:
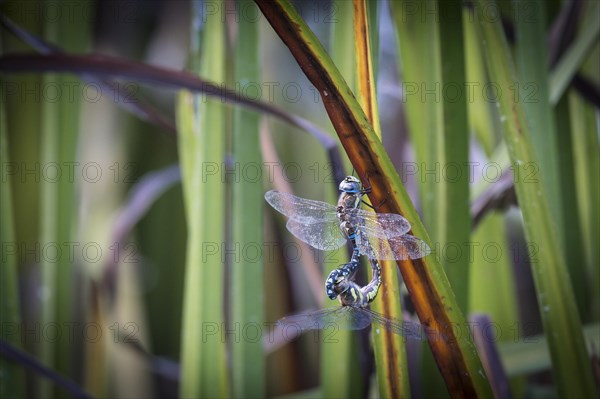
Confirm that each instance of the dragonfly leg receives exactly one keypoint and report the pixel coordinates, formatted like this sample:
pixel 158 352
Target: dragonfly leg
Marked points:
pixel 367 188
pixel 367 204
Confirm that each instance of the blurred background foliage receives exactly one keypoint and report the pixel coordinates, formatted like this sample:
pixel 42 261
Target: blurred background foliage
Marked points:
pixel 130 284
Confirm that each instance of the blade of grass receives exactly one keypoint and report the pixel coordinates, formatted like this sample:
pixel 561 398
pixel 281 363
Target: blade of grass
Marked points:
pixel 425 278
pixel 531 61
pixel 573 58
pixel 417 40
pixel 584 128
pixel 480 110
pixel 23 121
pixel 437 117
pixel 201 145
pixel 572 230
pixel 11 383
pixel 492 289
pixel 438 126
pixel 555 297
pixel 142 196
pixel 373 17
pixel 585 141
pixel 60 132
pixel 530 354
pixel 551 149
pixel 411 37
pixel 454 204
pixel 338 359
pixel 19 356
pixel 342 49
pixel 390 352
pixel 118 68
pixel 135 105
pixel 445 192
pixel 248 359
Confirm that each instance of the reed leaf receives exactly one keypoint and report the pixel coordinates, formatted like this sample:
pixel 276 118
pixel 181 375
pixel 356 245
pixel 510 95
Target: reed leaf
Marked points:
pixel 555 296
pixel 339 374
pixel 492 288
pixel 438 125
pixel 571 233
pixel 453 205
pixel 586 158
pixel 437 119
pixel 11 383
pixel 389 348
pixel 248 359
pixel 531 91
pixel 201 124
pixel 60 133
pixel 480 110
pixel 575 55
pixel 530 354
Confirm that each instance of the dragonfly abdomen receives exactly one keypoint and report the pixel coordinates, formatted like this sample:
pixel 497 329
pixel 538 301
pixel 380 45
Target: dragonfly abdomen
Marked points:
pixel 338 280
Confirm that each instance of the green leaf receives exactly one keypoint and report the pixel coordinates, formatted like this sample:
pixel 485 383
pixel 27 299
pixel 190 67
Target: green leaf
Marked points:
pixel 12 381
pixel 389 348
pixel 248 359
pixel 553 289
pixel 575 55
pixel 338 359
pixel 59 135
pixel 201 126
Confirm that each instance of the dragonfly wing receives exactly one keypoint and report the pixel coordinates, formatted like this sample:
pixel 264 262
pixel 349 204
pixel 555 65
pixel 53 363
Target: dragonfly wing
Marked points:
pixel 356 319
pixel 344 318
pixel 301 209
pixel 406 329
pixel 308 320
pixel 381 225
pixel 321 235
pixel 394 248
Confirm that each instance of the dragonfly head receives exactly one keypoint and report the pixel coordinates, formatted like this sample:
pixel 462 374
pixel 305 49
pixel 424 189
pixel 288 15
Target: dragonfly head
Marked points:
pixel 351 185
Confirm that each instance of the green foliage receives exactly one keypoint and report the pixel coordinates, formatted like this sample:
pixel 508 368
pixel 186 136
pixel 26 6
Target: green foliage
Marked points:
pixel 202 302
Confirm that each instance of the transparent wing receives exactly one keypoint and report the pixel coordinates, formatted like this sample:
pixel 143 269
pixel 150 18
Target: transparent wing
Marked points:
pixel 301 209
pixel 344 318
pixel 382 225
pixel 323 235
pixel 350 318
pixel 394 248
pixel 406 329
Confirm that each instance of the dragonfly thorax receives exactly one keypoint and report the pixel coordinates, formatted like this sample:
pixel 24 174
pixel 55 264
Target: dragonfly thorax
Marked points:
pixel 346 203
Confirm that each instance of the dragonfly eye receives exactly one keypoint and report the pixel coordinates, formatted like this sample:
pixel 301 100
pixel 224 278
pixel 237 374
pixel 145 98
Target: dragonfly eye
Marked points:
pixel 350 185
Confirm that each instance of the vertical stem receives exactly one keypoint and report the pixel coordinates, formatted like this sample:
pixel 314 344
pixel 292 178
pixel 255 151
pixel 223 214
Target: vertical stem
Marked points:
pixel 248 359
pixel 201 123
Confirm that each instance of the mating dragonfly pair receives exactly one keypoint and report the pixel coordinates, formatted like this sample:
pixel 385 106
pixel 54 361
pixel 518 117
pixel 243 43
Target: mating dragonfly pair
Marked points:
pixel 376 235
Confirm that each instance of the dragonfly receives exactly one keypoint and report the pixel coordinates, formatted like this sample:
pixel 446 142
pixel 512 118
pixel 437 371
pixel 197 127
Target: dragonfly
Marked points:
pixel 353 314
pixel 327 227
